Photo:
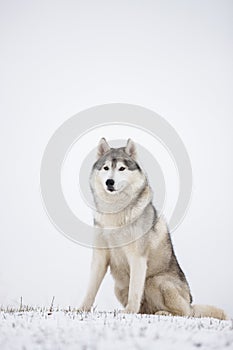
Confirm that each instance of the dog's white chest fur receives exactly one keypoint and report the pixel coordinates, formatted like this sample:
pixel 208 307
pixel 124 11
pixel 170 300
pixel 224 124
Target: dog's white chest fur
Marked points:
pixel 111 220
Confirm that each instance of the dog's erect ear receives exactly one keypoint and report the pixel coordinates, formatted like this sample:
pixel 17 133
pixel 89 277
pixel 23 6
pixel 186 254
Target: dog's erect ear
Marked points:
pixel 130 149
pixel 103 147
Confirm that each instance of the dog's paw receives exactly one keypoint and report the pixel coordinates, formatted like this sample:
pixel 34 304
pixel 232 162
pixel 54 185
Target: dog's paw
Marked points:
pixel 84 308
pixel 130 310
pixel 163 313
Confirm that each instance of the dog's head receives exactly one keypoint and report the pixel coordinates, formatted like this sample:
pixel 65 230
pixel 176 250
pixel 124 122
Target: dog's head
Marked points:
pixel 116 172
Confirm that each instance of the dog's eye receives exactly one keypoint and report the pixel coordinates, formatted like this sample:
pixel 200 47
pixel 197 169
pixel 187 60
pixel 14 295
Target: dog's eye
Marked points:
pixel 106 168
pixel 121 168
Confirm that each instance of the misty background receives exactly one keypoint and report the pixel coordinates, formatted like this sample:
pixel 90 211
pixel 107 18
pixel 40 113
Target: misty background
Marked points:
pixel 60 57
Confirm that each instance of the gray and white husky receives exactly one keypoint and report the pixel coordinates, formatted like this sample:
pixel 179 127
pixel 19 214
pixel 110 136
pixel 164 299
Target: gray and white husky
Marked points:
pixel 148 278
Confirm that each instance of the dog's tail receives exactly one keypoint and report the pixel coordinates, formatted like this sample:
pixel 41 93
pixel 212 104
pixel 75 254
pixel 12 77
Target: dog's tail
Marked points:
pixel 208 311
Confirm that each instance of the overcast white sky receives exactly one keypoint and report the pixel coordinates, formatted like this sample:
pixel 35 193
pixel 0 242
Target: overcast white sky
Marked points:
pixel 60 57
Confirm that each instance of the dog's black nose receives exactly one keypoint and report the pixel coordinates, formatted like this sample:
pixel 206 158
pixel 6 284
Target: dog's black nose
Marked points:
pixel 110 182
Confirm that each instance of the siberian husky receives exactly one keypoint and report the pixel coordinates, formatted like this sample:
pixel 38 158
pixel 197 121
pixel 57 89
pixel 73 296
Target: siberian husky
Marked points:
pixel 148 278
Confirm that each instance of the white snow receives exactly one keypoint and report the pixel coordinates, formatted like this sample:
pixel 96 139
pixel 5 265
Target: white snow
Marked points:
pixel 69 330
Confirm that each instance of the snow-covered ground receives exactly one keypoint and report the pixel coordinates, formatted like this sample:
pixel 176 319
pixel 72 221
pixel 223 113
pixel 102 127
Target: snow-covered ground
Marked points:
pixel 40 329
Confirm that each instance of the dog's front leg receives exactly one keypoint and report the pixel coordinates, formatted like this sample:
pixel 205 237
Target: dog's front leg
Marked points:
pixel 138 267
pixel 99 267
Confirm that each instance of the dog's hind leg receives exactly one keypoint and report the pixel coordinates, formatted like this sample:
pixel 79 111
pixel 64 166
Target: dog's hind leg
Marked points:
pixel 164 296
pixel 122 294
pixel 174 302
